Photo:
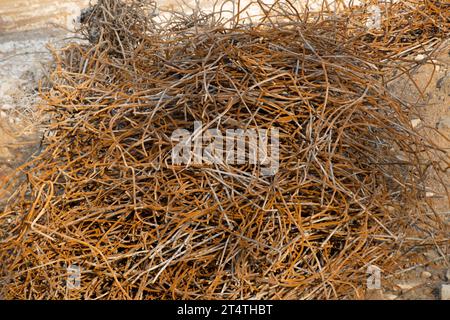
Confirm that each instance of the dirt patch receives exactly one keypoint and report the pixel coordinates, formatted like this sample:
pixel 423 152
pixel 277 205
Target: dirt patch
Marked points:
pixel 23 57
pixel 430 91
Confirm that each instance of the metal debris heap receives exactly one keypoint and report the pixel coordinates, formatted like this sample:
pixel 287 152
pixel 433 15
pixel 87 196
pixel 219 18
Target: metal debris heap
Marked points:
pixel 105 196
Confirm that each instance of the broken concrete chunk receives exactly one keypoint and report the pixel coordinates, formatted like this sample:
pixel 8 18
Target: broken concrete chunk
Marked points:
pixel 415 122
pixel 388 296
pixel 420 57
pixel 445 292
pixel 407 286
pixel 6 107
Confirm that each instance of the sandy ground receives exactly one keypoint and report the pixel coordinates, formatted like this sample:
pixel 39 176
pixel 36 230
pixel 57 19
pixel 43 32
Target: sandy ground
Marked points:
pixel 23 57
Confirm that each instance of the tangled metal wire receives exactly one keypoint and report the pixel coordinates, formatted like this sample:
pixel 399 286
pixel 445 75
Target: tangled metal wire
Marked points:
pixel 104 194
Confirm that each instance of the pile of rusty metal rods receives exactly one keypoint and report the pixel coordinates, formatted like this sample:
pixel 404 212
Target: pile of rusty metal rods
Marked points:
pixel 105 197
